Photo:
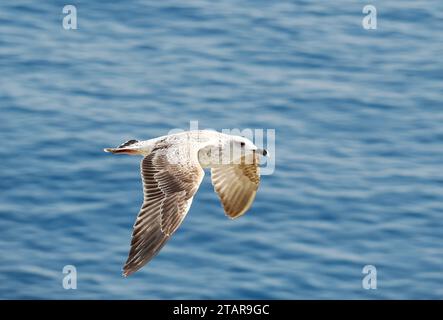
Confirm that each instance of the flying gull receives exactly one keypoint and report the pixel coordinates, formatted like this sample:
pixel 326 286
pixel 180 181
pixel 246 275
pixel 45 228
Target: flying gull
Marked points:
pixel 172 170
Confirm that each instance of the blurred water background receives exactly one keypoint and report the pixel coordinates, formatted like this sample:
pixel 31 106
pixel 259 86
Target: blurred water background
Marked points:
pixel 359 138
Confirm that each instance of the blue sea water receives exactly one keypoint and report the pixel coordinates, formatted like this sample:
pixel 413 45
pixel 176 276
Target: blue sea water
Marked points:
pixel 358 116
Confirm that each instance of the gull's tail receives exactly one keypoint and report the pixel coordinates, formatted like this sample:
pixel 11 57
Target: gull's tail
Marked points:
pixel 126 148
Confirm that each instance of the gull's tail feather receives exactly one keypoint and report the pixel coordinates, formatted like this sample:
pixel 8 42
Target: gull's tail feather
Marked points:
pixel 125 148
pixel 128 143
pixel 121 150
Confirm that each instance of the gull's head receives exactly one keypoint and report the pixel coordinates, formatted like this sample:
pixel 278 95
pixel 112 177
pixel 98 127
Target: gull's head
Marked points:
pixel 229 149
pixel 245 146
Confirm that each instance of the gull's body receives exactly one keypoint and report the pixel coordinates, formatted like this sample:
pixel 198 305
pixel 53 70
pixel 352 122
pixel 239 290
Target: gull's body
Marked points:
pixel 172 170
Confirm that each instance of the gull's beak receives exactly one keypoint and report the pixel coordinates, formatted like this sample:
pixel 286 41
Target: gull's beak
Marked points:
pixel 263 152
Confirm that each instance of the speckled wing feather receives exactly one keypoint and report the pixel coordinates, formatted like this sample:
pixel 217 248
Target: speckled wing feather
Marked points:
pixel 236 185
pixel 171 175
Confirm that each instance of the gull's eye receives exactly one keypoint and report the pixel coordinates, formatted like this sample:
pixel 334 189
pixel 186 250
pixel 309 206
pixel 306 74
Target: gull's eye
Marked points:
pixel 242 144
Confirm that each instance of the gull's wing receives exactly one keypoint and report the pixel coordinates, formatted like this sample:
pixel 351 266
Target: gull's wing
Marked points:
pixel 171 176
pixel 236 185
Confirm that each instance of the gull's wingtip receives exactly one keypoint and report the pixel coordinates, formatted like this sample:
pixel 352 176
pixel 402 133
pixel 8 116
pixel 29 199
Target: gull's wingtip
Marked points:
pixel 126 272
